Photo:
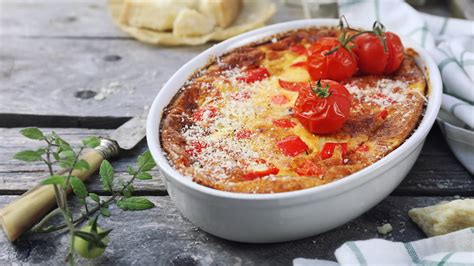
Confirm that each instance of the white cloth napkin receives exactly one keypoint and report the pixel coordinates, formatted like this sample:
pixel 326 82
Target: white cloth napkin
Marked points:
pixel 450 42
pixel 455 249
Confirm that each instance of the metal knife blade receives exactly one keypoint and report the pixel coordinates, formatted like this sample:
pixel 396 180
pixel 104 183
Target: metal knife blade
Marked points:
pixel 131 132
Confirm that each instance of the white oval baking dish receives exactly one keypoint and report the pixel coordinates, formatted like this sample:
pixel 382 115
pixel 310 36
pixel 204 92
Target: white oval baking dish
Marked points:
pixel 265 218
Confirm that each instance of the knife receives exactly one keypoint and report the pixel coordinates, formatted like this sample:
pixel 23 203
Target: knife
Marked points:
pixel 25 211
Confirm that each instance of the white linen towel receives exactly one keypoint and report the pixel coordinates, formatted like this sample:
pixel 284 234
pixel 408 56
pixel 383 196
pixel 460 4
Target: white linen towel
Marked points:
pixel 450 42
pixel 455 249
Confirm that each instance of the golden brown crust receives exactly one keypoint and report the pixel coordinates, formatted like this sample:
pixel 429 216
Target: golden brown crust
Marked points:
pixel 364 129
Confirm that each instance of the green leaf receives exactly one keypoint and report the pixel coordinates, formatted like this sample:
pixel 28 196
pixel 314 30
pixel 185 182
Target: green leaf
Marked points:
pixel 146 162
pixel 32 133
pixel 67 159
pixel 135 204
pixel 66 163
pixel 127 192
pixel 105 212
pixel 106 173
pixel 54 180
pixel 131 170
pixel 81 164
pixel 41 151
pixel 94 197
pixel 56 156
pixel 91 142
pixel 63 145
pixel 28 156
pixel 144 176
pixel 78 187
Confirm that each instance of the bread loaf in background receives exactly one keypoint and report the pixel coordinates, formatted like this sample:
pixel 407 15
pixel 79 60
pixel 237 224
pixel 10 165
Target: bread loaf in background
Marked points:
pixel 224 12
pixel 189 22
pixel 190 17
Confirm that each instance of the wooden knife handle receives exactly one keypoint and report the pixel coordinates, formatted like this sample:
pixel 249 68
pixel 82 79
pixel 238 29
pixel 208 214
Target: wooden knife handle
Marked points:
pixel 25 211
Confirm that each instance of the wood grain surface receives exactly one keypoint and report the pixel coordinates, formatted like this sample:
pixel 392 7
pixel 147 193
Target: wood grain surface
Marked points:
pixel 161 236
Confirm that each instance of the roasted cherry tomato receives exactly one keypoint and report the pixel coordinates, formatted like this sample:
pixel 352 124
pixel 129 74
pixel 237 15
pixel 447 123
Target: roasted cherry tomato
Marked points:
pixel 378 52
pixel 260 168
pixel 284 123
pixel 331 59
pixel 254 75
pixel 329 147
pixel 309 168
pixel 293 86
pixel 323 108
pixel 292 146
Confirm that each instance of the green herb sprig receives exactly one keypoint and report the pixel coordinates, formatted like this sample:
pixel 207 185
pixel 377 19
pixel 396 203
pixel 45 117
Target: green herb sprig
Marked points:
pixel 57 153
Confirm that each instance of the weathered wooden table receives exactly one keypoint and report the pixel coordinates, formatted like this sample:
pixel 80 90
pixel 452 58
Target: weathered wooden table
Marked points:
pixel 64 66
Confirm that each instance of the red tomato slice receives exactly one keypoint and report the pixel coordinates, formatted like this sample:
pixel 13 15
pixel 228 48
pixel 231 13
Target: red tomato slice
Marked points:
pixel 256 174
pixel 196 147
pixel 363 148
pixel 267 169
pixel 293 86
pixel 300 64
pixel 284 123
pixel 383 114
pixel 328 149
pixel 292 146
pixel 254 75
pixel 185 161
pixel 309 168
pixel 205 113
pixel 299 49
pixel 243 134
pixel 280 99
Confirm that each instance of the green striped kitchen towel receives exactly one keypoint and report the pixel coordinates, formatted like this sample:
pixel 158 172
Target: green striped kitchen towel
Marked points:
pixel 450 42
pixel 454 249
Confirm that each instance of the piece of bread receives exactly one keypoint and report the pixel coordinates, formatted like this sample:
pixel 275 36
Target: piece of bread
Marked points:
pixel 224 12
pixel 253 14
pixel 189 22
pixel 154 14
pixel 444 217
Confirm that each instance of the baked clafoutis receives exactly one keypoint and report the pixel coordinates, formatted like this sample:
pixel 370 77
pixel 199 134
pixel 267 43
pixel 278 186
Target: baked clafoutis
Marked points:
pixel 294 111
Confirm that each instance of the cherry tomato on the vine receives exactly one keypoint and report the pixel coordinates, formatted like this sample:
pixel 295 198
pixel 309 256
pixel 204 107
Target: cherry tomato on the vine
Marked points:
pixel 378 52
pixel 329 58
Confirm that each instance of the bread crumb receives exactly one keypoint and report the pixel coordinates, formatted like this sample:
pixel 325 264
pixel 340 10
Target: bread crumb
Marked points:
pixel 385 229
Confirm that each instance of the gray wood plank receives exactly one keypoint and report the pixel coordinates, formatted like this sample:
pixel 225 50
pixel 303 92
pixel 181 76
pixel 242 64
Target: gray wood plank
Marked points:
pixel 51 73
pixel 78 18
pixel 16 176
pixel 436 172
pixel 56 18
pixel 58 76
pixel 161 236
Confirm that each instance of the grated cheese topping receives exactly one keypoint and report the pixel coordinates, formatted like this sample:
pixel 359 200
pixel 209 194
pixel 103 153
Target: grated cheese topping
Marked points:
pixel 233 127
